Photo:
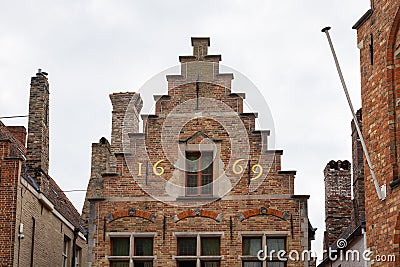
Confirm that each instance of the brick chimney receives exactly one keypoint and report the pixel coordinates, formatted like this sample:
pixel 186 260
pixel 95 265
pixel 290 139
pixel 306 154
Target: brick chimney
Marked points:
pixel 38 124
pixel 358 215
pixel 125 118
pixel 338 204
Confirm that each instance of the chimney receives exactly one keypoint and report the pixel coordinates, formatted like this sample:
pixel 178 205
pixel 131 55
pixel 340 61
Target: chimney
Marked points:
pixel 358 215
pixel 125 119
pixel 38 124
pixel 200 47
pixel 338 204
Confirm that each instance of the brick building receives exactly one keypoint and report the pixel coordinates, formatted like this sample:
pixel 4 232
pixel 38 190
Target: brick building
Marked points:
pixel 344 214
pixel 39 226
pixel 198 187
pixel 378 40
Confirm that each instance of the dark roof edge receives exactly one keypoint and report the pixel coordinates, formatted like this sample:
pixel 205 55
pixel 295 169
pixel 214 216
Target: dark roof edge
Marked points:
pixel 361 21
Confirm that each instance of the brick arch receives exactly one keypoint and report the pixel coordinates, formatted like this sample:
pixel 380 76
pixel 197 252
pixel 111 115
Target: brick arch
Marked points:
pixel 392 95
pixel 130 213
pixel 262 212
pixel 198 213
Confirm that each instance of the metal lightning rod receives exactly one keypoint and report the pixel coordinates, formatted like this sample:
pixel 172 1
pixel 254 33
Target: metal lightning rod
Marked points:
pixel 378 189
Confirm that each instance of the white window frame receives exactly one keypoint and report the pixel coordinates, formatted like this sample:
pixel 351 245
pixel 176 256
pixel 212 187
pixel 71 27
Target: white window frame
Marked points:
pixel 66 242
pixel 78 256
pixel 198 256
pixel 131 257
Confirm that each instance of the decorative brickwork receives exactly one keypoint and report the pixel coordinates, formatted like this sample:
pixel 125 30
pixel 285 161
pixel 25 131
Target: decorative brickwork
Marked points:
pixel 131 213
pixel 196 213
pixel 263 211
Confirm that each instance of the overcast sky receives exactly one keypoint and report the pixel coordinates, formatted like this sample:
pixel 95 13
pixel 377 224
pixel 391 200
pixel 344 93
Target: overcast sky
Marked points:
pixel 93 48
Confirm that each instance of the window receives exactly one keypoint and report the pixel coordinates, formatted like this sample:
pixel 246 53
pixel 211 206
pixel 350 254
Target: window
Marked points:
pixel 78 256
pixel 187 246
pixel 144 246
pixel 65 251
pixel 120 246
pixel 199 175
pixel 251 245
pixel 199 250
pixel 137 247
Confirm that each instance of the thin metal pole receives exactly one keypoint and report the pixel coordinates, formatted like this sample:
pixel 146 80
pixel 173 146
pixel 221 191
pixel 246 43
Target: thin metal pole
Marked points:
pixel 378 189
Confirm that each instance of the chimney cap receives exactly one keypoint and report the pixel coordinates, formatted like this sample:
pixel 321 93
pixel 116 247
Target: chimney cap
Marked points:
pixel 200 40
pixel 41 73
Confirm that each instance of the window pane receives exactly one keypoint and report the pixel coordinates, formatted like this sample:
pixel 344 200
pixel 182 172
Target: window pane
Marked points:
pixel 210 246
pixel 206 163
pixel 192 162
pixel 209 263
pixel 143 264
pixel 206 182
pixel 251 245
pixel 275 264
pixel 192 180
pixel 186 263
pixel 276 244
pixel 120 246
pixel 187 246
pixel 65 249
pixel 119 264
pixel 143 246
pixel 192 187
pixel 252 264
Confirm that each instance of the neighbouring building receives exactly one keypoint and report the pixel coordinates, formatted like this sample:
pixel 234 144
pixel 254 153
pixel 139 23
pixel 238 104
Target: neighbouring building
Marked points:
pixel 344 236
pixel 378 38
pixel 198 187
pixel 39 226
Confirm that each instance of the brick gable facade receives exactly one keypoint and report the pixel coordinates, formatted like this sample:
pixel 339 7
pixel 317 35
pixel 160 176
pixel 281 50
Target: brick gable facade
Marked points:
pixel 140 184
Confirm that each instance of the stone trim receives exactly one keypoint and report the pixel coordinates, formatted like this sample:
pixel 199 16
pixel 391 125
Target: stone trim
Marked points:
pixel 361 21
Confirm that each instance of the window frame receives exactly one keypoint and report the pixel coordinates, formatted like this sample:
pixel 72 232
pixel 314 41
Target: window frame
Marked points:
pixel 264 239
pixel 199 174
pixel 199 258
pixel 78 256
pixel 132 258
pixel 65 254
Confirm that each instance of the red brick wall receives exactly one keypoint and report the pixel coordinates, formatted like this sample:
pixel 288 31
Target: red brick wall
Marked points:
pixel 379 91
pixel 9 175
